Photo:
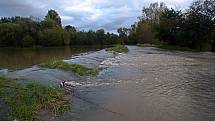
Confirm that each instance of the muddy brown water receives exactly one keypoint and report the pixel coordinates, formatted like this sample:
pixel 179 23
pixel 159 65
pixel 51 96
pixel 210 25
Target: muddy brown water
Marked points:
pixel 20 58
pixel 148 84
pixel 145 84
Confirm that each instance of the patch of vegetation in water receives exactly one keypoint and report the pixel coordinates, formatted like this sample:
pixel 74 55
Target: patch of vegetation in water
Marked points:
pixel 176 48
pixel 27 99
pixel 118 48
pixel 76 68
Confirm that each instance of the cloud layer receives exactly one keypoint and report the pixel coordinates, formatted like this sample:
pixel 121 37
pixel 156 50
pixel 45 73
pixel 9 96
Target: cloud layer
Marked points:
pixel 86 14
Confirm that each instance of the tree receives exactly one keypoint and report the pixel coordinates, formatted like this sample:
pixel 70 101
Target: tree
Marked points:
pixel 70 29
pixel 200 24
pixel 110 39
pixel 132 37
pixel 48 24
pixel 167 28
pixel 123 35
pixel 144 33
pixel 72 33
pixel 143 30
pixel 53 16
pixel 153 12
pixel 54 37
pixel 10 34
pixel 100 36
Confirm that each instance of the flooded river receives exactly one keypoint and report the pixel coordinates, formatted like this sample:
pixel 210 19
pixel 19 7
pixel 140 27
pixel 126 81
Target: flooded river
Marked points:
pixel 145 84
pixel 19 58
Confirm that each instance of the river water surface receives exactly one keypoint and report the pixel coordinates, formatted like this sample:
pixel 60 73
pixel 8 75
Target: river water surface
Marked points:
pixel 145 84
pixel 148 84
pixel 19 58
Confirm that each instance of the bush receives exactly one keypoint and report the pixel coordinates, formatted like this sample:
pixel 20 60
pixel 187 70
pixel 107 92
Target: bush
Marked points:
pixel 28 41
pixel 118 48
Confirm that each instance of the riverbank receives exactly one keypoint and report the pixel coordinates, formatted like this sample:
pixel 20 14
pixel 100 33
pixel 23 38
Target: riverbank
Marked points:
pixel 26 100
pixel 176 48
pixel 168 47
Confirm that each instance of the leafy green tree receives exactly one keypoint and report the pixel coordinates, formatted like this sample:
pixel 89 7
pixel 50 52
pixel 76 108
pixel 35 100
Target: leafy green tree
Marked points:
pixel 54 16
pixel 167 28
pixel 54 37
pixel 100 36
pixel 143 30
pixel 199 24
pixel 26 32
pixel 144 33
pixel 70 29
pixel 48 24
pixel 110 39
pixel 123 35
pixel 153 12
pixel 72 33
pixel 10 34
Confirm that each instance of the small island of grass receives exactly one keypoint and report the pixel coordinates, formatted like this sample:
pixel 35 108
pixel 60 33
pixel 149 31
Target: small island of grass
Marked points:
pixel 118 48
pixel 26 100
pixel 76 68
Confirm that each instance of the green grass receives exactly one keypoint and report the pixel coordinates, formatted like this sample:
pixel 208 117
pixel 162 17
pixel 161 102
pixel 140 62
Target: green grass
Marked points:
pixel 147 45
pixel 76 68
pixel 27 99
pixel 176 48
pixel 118 48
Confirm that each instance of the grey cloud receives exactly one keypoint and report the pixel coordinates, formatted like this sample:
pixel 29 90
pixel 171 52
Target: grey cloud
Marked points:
pixel 17 8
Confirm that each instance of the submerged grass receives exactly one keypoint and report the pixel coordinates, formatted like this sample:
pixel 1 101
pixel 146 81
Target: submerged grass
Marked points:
pixel 118 48
pixel 27 99
pixel 76 68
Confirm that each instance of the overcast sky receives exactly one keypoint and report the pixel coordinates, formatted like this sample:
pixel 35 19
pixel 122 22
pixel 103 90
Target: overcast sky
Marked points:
pixel 85 14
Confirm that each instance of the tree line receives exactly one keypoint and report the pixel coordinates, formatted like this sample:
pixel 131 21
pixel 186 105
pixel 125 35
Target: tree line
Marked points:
pixel 27 32
pixel 193 28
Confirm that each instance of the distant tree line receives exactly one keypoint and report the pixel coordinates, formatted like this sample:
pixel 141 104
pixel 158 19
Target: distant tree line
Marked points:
pixel 26 32
pixel 192 28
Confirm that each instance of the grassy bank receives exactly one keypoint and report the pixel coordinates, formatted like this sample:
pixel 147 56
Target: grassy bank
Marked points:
pixel 27 99
pixel 118 48
pixel 177 48
pixel 76 68
pixel 147 45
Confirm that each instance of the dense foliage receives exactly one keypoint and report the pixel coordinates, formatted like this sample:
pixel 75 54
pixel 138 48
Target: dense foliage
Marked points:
pixel 27 32
pixel 193 28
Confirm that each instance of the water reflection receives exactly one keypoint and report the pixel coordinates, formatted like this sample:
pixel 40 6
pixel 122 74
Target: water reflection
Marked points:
pixel 19 58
